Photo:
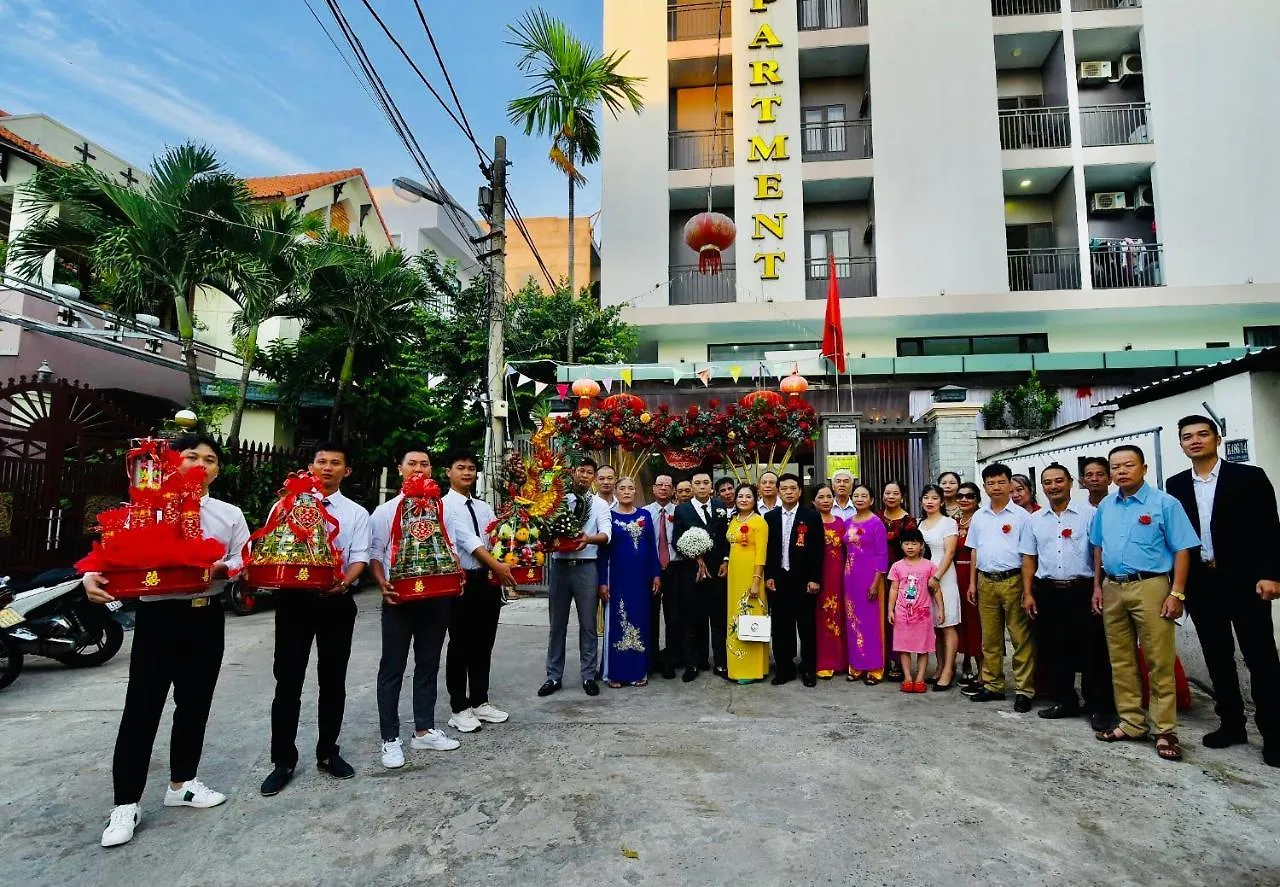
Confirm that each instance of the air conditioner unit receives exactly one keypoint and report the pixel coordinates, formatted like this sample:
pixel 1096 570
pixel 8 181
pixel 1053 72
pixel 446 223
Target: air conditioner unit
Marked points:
pixel 1108 201
pixel 1130 65
pixel 1095 72
pixel 1143 198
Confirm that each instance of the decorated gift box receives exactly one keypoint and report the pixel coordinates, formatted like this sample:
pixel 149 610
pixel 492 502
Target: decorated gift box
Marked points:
pixel 295 549
pixel 154 544
pixel 533 485
pixel 423 563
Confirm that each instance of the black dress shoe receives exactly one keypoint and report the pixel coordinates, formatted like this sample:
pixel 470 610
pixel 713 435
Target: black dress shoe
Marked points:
pixel 336 767
pixel 1225 736
pixel 942 688
pixel 1102 721
pixel 972 689
pixel 779 679
pixel 591 688
pixel 549 687
pixel 669 674
pixel 1058 711
pixel 689 674
pixel 276 780
pixel 985 695
pixel 894 674
pixel 721 671
pixel 809 680
pixel 1021 703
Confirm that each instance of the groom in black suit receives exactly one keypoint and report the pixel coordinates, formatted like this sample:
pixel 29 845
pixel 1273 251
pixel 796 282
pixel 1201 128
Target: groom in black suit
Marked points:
pixel 793 576
pixel 696 579
pixel 1234 578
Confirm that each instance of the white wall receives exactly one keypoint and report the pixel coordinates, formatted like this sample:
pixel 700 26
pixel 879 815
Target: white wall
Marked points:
pixel 1213 75
pixel 635 201
pixel 426 226
pixel 937 148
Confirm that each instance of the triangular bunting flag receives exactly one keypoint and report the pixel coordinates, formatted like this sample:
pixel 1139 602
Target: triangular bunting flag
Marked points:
pixel 735 372
pixel 539 387
pixel 607 382
pixel 562 389
pixel 522 379
pixel 510 369
pixel 675 375
pixel 704 375
pixel 433 381
pixel 626 376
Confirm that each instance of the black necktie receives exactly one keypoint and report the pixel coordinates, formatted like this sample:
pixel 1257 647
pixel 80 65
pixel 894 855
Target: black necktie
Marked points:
pixel 471 508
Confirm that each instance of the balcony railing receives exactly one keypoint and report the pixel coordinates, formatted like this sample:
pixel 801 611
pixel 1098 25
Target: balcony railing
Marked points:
pixel 837 140
pixel 691 287
pixel 818 15
pixel 1121 264
pixel 1115 124
pixel 1035 128
pixel 855 277
pixel 1044 269
pixel 1089 5
pixel 701 149
pixel 697 21
pixel 1025 7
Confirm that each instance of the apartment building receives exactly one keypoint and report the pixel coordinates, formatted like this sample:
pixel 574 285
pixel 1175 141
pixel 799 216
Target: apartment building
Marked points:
pixel 1083 187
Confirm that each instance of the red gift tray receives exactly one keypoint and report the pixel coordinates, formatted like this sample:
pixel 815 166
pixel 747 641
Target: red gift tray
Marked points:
pixel 566 544
pixel 162 581
pixel 290 577
pixel 523 576
pixel 420 588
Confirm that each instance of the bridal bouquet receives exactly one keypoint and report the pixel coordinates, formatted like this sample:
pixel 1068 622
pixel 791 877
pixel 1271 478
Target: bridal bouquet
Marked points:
pixel 694 542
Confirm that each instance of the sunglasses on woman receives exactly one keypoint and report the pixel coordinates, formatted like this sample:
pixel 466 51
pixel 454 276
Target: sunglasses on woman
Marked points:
pixel 965 496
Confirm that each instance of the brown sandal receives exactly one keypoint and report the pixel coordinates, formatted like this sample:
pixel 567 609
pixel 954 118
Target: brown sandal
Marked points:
pixel 1168 748
pixel 1115 734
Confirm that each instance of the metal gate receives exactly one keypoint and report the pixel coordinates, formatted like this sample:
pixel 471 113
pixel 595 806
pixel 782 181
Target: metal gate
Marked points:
pixel 60 465
pixel 899 456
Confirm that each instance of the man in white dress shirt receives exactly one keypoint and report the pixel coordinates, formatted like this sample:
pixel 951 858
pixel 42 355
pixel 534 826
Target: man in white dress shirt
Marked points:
pixel 842 486
pixel 606 481
pixel 177 642
pixel 473 624
pixel 768 485
pixel 326 620
pixel 663 510
pixel 573 582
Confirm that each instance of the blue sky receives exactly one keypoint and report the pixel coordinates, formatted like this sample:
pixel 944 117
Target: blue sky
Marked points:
pixel 259 81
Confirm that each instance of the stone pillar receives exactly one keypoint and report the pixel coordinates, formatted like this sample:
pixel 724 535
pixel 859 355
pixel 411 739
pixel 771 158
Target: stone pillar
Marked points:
pixel 953 446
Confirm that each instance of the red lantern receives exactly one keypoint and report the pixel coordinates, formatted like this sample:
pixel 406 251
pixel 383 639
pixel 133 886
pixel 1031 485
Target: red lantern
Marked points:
pixel 793 386
pixel 710 234
pixel 585 389
pixel 772 398
pixel 623 402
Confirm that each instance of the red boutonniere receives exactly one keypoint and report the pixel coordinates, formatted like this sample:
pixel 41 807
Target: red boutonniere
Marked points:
pixel 640 521
pixel 1007 528
pixel 800 531
pixel 671 518
pixel 1066 533
pixel 1145 520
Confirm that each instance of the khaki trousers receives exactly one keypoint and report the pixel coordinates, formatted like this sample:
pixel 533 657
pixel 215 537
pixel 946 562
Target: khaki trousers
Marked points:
pixel 1131 615
pixel 1000 608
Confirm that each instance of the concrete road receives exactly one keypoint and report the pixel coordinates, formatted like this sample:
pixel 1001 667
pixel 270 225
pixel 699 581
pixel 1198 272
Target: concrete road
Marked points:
pixel 707 783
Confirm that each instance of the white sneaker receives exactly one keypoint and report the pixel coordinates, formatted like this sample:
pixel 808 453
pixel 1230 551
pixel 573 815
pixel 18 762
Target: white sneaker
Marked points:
pixel 488 713
pixel 392 754
pixel 193 793
pixel 435 740
pixel 464 721
pixel 119 830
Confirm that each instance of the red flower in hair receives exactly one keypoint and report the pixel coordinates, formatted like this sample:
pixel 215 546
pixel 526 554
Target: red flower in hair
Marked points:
pixel 1006 529
pixel 1145 520
pixel 1066 532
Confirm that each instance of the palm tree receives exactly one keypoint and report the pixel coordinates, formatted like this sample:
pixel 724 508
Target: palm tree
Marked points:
pixel 570 80
pixel 284 255
pixel 367 296
pixel 148 246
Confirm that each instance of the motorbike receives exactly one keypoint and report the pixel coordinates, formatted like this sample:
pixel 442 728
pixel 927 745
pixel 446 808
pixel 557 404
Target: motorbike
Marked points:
pixel 51 616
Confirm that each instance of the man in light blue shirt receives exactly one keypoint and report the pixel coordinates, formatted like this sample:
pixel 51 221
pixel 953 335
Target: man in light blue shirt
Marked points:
pixel 842 488
pixel 1140 535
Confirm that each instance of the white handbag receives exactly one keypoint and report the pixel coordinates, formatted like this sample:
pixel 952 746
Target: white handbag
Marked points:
pixel 754 628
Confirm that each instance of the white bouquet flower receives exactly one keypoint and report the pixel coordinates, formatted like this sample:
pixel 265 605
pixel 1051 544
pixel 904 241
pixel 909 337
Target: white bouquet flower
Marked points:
pixel 694 542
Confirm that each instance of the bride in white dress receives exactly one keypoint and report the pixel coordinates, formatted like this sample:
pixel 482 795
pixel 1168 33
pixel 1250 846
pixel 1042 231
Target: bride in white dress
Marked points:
pixel 940 534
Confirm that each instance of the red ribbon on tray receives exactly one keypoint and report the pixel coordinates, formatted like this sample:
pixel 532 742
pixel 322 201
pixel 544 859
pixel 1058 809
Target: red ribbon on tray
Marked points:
pixel 297 484
pixel 417 489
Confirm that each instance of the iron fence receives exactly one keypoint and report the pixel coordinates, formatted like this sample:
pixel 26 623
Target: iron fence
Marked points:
pixel 1025 7
pixel 697 21
pixel 701 149
pixel 837 140
pixel 1123 264
pixel 855 277
pixel 1090 5
pixel 1126 124
pixel 691 287
pixel 1035 128
pixel 1056 268
pixel 817 15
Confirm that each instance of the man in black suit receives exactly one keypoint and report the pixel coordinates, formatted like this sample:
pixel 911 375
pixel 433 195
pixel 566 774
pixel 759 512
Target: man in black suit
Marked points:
pixel 696 578
pixel 1233 580
pixel 793 576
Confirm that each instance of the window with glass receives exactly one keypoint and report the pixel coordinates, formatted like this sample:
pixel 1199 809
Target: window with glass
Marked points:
pixel 952 346
pixel 1262 336
pixel 829 243
pixel 756 350
pixel 824 131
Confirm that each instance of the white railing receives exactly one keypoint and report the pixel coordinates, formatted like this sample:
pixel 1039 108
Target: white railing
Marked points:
pixel 1035 128
pixel 1127 124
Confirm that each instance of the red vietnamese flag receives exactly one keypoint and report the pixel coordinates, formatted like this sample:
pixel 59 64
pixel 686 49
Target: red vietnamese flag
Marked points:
pixel 833 326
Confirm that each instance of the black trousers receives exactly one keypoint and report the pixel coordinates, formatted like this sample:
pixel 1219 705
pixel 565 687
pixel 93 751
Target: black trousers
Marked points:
pixel 1217 604
pixel 422 625
pixel 794 611
pixel 301 618
pixel 174 645
pixel 692 607
pixel 666 606
pixel 1072 639
pixel 718 614
pixel 473 628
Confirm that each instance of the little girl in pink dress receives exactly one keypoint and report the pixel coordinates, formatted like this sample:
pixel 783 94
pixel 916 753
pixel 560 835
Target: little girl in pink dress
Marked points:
pixel 913 610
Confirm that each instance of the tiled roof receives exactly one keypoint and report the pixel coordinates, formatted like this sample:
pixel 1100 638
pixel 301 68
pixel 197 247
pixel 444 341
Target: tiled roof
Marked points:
pixel 279 187
pixel 300 183
pixel 12 138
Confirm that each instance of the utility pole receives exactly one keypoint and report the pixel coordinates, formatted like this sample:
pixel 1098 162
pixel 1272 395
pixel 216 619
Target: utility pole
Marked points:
pixel 497 369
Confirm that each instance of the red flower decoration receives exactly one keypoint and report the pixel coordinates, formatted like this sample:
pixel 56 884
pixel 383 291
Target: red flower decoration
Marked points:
pixel 1066 532
pixel 671 519
pixel 1145 520
pixel 1006 529
pixel 640 521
